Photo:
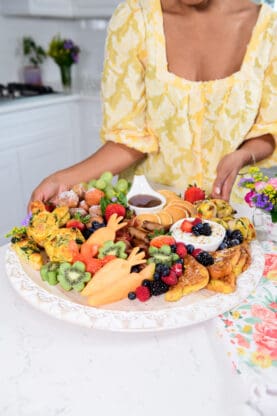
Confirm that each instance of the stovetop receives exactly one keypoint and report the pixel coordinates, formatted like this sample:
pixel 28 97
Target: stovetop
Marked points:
pixel 15 90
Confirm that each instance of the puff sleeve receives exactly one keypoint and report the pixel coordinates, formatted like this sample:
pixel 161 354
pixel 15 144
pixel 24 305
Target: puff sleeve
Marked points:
pixel 123 85
pixel 266 119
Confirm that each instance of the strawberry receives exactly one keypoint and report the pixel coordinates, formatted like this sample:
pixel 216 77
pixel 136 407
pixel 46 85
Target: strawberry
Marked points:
pixel 177 268
pixel 162 240
pixel 196 251
pixel 171 279
pixel 186 226
pixel 196 221
pixel 114 208
pixel 181 250
pixel 143 293
pixel 93 265
pixel 193 193
pixel 75 224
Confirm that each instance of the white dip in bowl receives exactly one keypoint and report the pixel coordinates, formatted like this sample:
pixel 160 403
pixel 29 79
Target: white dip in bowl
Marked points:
pixel 207 243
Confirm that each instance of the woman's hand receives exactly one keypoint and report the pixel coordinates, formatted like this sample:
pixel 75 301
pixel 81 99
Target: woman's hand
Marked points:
pixel 48 190
pixel 227 171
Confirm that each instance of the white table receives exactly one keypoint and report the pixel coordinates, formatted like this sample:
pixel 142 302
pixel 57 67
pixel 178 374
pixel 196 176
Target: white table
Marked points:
pixel 52 368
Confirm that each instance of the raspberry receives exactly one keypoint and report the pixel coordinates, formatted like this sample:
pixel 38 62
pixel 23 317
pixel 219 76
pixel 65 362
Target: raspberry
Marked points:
pixel 171 279
pixel 142 293
pixel 177 268
pixel 196 221
pixel 196 251
pixel 181 250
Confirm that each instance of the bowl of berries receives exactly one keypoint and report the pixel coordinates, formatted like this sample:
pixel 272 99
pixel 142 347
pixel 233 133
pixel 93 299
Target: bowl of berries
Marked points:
pixel 201 234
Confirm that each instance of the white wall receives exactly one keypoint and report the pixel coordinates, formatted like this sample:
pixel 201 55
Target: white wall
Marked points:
pixel 88 34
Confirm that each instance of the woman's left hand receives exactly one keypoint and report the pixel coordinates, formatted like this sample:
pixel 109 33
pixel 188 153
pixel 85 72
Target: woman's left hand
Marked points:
pixel 227 171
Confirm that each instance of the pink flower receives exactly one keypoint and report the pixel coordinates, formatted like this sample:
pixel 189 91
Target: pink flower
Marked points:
pixel 248 198
pixel 265 337
pixel 264 314
pixel 227 322
pixel 260 185
pixel 273 182
pixel 273 305
pixel 242 342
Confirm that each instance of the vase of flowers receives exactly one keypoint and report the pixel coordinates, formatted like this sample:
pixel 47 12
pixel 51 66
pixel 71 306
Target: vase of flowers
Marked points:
pixel 262 197
pixel 34 55
pixel 65 53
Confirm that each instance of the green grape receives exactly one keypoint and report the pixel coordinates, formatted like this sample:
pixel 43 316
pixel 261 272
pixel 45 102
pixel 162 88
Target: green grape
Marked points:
pixel 92 183
pixel 122 185
pixel 107 177
pixel 109 192
pixel 100 184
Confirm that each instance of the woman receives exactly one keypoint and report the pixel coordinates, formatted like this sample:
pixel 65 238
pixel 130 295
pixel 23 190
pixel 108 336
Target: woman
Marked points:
pixel 186 85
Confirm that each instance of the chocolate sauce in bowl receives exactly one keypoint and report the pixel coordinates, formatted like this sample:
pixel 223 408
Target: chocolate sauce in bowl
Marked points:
pixel 144 201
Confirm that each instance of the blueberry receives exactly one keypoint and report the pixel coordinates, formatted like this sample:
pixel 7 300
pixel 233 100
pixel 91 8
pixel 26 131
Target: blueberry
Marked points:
pixel 166 270
pixel 234 242
pixel 157 276
pixel 190 248
pixel 87 233
pixel 237 235
pixel 159 267
pixel 146 282
pixel 228 233
pixel 173 248
pixel 132 295
pixel 180 261
pixel 97 225
pixel 223 246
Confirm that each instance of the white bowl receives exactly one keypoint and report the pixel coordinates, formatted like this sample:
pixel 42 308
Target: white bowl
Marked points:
pixel 140 186
pixel 207 243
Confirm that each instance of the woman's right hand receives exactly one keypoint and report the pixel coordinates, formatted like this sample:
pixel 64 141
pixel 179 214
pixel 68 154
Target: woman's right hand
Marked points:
pixel 48 190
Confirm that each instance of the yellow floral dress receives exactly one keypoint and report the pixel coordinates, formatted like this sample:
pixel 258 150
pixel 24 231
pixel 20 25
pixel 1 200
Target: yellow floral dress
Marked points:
pixel 185 127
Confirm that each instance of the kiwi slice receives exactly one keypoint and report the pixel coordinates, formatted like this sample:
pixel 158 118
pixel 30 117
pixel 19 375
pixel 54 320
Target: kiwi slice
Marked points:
pixel 110 248
pixel 73 276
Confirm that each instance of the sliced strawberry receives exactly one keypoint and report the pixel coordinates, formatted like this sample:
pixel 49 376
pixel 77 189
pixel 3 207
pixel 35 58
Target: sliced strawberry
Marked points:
pixel 93 265
pixel 193 194
pixel 118 209
pixel 162 240
pixel 186 226
pixel 171 279
pixel 75 224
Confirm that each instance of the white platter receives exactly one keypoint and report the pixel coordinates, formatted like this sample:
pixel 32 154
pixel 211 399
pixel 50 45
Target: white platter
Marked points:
pixel 131 316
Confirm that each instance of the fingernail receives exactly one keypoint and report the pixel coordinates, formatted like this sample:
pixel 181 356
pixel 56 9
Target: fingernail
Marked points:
pixel 217 190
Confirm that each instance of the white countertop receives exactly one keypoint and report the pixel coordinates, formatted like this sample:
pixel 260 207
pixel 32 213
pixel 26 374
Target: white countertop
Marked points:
pixel 52 368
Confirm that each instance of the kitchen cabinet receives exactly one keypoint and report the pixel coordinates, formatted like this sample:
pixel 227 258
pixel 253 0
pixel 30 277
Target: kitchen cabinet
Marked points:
pixel 60 8
pixel 34 143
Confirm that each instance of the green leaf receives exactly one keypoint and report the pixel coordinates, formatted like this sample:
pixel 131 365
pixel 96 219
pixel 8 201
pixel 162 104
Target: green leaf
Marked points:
pixel 104 202
pixel 252 320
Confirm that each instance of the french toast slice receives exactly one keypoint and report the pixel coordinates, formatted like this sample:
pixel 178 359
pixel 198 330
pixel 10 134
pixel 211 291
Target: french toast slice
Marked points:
pixel 229 264
pixel 194 278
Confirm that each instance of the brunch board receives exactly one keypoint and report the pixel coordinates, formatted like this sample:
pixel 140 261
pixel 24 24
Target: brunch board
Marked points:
pixel 126 257
pixel 153 315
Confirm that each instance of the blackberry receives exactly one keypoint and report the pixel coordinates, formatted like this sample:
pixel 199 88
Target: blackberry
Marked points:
pixel 158 287
pixel 135 269
pixel 206 229
pixel 205 258
pixel 228 234
pixel 132 295
pixel 237 235
pixel 87 233
pixel 190 248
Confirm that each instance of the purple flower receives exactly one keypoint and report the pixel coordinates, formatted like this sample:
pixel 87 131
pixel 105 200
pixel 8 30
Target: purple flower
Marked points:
pixel 26 220
pixel 244 181
pixel 68 44
pixel 75 57
pixel 262 201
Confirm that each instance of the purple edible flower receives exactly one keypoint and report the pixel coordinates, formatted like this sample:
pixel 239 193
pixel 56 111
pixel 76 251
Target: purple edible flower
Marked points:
pixel 244 181
pixel 26 220
pixel 75 57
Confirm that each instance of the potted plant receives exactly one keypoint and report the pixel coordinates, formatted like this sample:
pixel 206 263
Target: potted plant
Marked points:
pixel 65 53
pixel 35 55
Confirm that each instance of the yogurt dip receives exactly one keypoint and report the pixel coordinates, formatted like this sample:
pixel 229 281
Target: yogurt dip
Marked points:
pixel 207 243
